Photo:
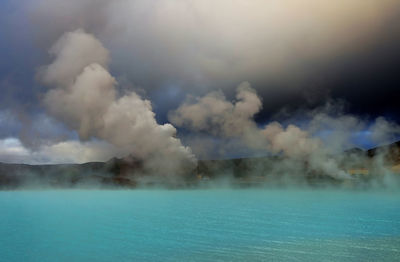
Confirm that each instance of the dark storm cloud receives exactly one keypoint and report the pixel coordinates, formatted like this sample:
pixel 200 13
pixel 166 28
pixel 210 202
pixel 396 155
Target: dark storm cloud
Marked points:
pixel 17 58
pixel 365 79
pixel 294 53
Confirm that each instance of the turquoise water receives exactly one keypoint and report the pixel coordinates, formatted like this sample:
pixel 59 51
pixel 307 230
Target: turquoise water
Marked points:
pixel 199 225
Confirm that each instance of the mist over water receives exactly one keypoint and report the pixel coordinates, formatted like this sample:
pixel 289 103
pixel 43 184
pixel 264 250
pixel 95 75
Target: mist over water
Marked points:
pixel 199 225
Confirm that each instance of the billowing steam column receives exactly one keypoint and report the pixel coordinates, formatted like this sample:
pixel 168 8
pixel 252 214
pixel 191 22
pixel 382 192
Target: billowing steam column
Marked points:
pixel 84 97
pixel 214 114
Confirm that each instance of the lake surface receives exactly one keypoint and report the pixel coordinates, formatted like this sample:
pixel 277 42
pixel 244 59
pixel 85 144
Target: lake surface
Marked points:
pixel 199 225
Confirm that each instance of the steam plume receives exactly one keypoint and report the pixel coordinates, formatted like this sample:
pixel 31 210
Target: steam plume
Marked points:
pixel 215 115
pixel 84 97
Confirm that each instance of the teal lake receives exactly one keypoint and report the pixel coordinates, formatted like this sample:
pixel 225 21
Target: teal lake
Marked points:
pixel 199 225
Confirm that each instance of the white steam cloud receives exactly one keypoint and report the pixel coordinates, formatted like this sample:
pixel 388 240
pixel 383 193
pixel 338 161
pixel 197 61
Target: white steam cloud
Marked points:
pixel 215 115
pixel 85 98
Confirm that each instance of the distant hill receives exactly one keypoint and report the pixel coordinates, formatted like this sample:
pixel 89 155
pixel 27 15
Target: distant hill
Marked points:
pixel 355 150
pixel 129 172
pixel 391 152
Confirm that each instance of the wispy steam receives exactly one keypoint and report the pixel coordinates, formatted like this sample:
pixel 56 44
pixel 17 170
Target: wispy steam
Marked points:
pixel 84 97
pixel 217 116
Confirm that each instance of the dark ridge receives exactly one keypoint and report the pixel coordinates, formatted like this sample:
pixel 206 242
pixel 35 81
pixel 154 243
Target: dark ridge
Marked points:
pixel 355 150
pixel 392 150
pixel 127 172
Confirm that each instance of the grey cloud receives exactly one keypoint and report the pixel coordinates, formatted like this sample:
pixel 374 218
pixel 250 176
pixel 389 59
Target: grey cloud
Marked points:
pixel 216 43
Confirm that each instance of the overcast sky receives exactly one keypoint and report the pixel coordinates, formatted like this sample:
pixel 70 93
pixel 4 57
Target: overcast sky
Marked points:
pixel 298 55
